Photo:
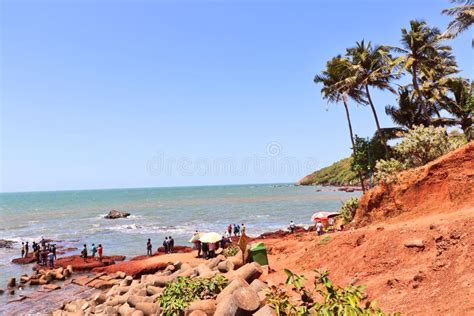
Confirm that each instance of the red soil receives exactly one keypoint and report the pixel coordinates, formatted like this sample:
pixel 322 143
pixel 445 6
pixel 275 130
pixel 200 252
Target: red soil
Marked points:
pixel 434 205
pixel 79 264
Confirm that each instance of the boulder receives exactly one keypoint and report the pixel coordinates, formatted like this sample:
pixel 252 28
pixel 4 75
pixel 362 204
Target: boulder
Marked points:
pixel 231 288
pixel 126 310
pixel 258 285
pixel 113 214
pixel 246 299
pixel 6 243
pixel 207 306
pixel 265 311
pixel 415 243
pixel 249 271
pixel 148 308
pixel 11 282
pixel 225 266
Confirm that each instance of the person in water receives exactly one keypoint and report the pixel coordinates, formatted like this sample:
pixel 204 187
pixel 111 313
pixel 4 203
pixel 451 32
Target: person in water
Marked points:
pixel 149 247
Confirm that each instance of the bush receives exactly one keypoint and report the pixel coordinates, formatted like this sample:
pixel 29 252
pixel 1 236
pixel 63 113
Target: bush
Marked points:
pixel 334 300
pixel 419 146
pixel 348 209
pixel 231 251
pixel 179 294
pixel 422 145
pixel 387 169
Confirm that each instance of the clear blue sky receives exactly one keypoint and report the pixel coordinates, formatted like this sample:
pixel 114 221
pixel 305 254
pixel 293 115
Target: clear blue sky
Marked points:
pixel 93 91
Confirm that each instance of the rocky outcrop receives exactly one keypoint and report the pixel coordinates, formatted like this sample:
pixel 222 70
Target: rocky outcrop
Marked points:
pixel 443 185
pixel 116 214
pixel 79 264
pixel 6 243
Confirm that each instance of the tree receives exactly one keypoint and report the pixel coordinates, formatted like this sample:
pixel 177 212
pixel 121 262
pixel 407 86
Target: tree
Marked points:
pixel 463 17
pixel 426 59
pixel 371 67
pixel 407 114
pixel 366 154
pixel 337 70
pixel 460 104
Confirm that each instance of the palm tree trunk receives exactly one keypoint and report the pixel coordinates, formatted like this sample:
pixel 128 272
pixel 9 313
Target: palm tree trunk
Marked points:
pixel 379 130
pixel 361 179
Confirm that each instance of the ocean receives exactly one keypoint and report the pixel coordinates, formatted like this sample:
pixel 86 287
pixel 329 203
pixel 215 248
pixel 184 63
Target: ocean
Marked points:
pixel 76 217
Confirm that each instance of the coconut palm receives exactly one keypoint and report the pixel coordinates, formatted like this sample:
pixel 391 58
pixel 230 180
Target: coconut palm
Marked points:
pixel 425 58
pixel 460 104
pixel 463 17
pixel 337 70
pixel 371 67
pixel 406 114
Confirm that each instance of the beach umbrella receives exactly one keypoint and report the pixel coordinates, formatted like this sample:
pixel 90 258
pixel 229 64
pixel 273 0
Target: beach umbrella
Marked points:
pixel 196 237
pixel 318 216
pixel 210 237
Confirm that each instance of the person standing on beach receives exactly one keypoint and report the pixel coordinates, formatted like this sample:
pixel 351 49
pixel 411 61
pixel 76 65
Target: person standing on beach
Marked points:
pixel 43 243
pixel 292 227
pixel 171 244
pixel 236 230
pixel 100 252
pixel 27 248
pixel 212 250
pixel 319 228
pixel 93 250
pixel 205 250
pixel 22 249
pixel 166 245
pixel 243 229
pixel 199 247
pixel 149 247
pixel 229 230
pixel 53 249
pixel 51 260
pixel 84 252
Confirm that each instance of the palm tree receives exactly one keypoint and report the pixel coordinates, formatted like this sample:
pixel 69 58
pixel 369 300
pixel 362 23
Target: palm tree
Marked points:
pixel 463 17
pixel 337 70
pixel 371 67
pixel 425 58
pixel 407 114
pixel 460 105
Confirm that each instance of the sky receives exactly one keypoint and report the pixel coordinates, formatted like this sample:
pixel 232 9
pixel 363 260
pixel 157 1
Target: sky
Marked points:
pixel 119 94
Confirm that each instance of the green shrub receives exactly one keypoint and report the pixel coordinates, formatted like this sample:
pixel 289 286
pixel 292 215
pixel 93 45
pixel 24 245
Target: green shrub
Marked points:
pixel 387 169
pixel 333 300
pixel 231 251
pixel 179 294
pixel 348 209
pixel 419 146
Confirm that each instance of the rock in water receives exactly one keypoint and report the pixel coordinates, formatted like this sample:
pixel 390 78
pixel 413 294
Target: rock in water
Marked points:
pixel 6 243
pixel 116 214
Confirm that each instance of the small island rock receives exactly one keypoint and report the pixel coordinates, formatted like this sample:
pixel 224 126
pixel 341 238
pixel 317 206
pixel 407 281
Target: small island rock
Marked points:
pixel 116 214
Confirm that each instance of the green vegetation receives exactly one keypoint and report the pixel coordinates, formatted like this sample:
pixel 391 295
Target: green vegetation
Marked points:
pixel 430 96
pixel 231 251
pixel 419 146
pixel 348 209
pixel 326 298
pixel 179 294
pixel 339 173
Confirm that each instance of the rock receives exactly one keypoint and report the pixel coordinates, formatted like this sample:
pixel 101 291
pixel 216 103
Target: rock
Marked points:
pixel 226 306
pixel 246 299
pixel 152 290
pixel 207 306
pixel 6 243
pixel 147 308
pixel 120 274
pixel 99 298
pixel 225 266
pixel 138 313
pixel 249 271
pixel 134 299
pixel 116 214
pixel 415 243
pixel 11 282
pixel 11 291
pixel 258 285
pixel 126 310
pixel 265 311
pixel 24 279
pixel 2 291
pixel 197 313
pixel 69 268
pixel 127 281
pixel 51 287
pixel 231 288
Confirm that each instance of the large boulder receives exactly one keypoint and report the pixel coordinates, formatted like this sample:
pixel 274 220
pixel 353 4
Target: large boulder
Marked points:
pixel 6 243
pixel 113 214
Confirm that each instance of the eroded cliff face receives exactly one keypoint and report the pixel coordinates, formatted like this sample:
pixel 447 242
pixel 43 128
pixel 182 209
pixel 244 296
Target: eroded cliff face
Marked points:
pixel 444 185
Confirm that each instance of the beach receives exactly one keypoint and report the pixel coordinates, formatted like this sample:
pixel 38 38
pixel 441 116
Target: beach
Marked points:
pixel 72 218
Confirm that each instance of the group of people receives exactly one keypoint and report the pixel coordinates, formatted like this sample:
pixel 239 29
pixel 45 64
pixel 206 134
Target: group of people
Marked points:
pixel 44 253
pixel 168 245
pixel 236 229
pixel 99 250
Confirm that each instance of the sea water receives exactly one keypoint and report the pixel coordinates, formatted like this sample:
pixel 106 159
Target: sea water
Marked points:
pixel 77 217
